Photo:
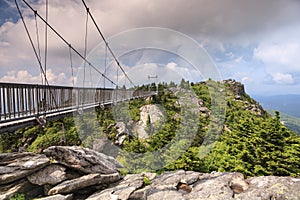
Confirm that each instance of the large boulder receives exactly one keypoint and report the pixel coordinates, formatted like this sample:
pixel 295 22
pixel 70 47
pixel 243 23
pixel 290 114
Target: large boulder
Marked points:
pixel 57 197
pixel 215 186
pixel 83 159
pixel 124 188
pixel 149 115
pixel 122 133
pixel 20 187
pixel 83 182
pixel 271 187
pixel 51 175
pixel 189 185
pixel 15 166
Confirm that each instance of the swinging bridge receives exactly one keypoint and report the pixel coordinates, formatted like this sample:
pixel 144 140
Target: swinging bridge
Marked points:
pixel 22 105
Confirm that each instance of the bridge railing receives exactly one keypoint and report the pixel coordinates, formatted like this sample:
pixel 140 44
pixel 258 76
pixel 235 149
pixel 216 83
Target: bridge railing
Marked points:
pixel 21 100
pixel 24 100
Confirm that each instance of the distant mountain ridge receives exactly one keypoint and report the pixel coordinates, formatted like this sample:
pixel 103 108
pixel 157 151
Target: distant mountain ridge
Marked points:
pixel 288 104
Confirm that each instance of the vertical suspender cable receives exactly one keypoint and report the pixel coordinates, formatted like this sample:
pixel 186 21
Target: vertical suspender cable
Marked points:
pixel 105 67
pixel 71 63
pixel 45 59
pixel 38 42
pixel 85 52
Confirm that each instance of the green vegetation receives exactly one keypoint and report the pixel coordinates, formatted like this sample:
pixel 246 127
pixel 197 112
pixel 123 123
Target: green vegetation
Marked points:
pixel 146 181
pixel 245 138
pixel 35 139
pixel 18 197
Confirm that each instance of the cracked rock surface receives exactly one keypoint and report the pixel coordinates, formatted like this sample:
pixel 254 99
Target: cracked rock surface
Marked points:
pixel 67 173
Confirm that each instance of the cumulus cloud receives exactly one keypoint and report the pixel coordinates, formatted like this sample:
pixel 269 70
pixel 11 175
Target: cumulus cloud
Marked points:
pixel 283 54
pixel 24 76
pixel 280 55
pixel 283 78
pixel 21 76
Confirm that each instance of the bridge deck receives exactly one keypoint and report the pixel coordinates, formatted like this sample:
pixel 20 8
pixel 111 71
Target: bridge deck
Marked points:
pixel 22 104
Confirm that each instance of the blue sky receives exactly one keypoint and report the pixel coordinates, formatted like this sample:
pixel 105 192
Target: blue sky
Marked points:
pixel 256 42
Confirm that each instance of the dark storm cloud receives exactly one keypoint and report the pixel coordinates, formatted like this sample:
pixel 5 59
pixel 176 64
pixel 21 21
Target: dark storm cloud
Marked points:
pixel 221 19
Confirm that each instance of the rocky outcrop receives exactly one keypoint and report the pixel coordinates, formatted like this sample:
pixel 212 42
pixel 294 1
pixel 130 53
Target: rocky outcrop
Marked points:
pixel 16 166
pixel 188 99
pixel 83 182
pixel 57 197
pixel 52 175
pixel 59 170
pixel 150 115
pixel 66 173
pixel 152 112
pixel 83 159
pixel 125 188
pixel 237 88
pixel 22 186
pixel 255 108
pixel 239 94
pixel 122 133
pixel 194 185
pixel 271 187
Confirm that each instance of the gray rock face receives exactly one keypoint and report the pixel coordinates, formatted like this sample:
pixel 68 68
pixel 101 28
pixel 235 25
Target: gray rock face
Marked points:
pixel 83 182
pixel 213 186
pixel 57 197
pixel 85 175
pixel 17 166
pixel 19 187
pixel 152 112
pixel 122 133
pixel 124 188
pixel 52 174
pixel 83 159
pixel 185 185
pixel 237 87
pixel 271 187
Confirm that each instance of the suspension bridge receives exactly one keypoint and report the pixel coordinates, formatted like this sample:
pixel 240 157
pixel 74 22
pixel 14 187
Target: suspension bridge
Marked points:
pixel 26 104
pixel 29 104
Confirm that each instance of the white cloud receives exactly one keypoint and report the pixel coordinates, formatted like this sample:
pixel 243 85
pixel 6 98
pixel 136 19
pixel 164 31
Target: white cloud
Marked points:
pixel 245 78
pixel 283 78
pixel 280 54
pixel 239 59
pixel 171 65
pixel 24 76
pixel 21 76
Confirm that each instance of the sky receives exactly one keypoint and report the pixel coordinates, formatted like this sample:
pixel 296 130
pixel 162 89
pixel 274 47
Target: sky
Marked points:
pixel 255 42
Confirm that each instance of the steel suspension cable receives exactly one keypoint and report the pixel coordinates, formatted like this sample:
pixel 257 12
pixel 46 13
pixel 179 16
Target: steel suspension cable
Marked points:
pixel 106 43
pixel 46 53
pixel 67 43
pixel 38 43
pixel 85 46
pixel 71 62
pixel 35 52
pixel 84 54
pixel 46 41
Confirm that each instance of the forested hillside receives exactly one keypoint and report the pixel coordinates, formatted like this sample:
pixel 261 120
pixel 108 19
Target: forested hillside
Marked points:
pixel 167 131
